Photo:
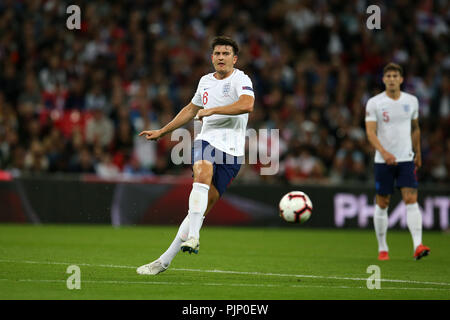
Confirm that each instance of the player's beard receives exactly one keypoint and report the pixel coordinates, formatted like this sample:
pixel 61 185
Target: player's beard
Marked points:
pixel 393 89
pixel 223 72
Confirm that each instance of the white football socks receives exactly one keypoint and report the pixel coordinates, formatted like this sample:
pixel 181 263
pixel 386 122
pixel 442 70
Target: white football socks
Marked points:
pixel 380 221
pixel 198 203
pixel 182 235
pixel 414 222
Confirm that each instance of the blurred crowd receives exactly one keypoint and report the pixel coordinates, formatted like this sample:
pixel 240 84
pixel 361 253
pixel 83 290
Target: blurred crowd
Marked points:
pixel 74 101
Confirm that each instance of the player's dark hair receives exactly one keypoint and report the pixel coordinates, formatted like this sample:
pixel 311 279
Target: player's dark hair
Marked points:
pixel 225 41
pixel 393 67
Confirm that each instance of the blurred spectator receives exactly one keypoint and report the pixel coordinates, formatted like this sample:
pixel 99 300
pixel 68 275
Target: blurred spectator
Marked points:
pixel 301 165
pixel 105 167
pixel 54 146
pixel 349 162
pixel 82 162
pixel 35 159
pixel 31 93
pixel 132 167
pixel 76 95
pixel 96 100
pixel 99 128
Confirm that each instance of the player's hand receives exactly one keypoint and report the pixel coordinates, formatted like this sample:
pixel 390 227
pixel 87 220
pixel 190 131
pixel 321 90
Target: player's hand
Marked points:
pixel 151 134
pixel 418 161
pixel 203 113
pixel 389 158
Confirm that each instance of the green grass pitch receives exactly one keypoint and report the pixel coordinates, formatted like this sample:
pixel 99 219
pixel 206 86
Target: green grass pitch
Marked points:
pixel 234 263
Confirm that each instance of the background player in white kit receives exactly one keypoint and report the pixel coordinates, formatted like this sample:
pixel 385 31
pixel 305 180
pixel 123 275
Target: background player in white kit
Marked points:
pixel 222 102
pixel 392 126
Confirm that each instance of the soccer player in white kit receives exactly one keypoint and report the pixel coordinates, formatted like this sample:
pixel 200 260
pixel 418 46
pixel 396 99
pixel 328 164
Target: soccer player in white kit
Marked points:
pixel 392 127
pixel 222 102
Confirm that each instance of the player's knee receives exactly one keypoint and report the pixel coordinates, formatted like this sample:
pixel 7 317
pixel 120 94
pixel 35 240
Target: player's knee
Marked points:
pixel 383 201
pixel 203 171
pixel 409 195
pixel 410 199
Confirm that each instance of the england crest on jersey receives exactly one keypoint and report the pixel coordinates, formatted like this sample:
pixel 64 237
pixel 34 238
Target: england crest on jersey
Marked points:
pixel 226 89
pixel 406 107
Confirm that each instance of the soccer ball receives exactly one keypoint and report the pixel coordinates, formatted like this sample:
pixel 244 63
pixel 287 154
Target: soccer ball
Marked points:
pixel 295 207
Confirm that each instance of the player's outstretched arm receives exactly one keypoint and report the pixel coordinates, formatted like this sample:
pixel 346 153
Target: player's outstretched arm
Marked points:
pixel 243 105
pixel 371 131
pixel 184 116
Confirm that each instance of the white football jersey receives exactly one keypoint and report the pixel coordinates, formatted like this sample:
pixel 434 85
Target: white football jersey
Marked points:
pixel 224 132
pixel 393 118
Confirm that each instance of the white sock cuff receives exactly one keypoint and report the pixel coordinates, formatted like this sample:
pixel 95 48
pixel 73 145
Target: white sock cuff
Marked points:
pixel 198 199
pixel 380 212
pixel 202 186
pixel 412 206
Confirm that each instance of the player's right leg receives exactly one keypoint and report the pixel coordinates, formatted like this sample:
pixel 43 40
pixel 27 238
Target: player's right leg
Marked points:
pixel 384 184
pixel 380 221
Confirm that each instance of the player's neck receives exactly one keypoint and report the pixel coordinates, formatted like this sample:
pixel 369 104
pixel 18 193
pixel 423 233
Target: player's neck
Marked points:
pixel 393 94
pixel 221 76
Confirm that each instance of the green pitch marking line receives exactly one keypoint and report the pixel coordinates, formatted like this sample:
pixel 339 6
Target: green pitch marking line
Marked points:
pixel 235 272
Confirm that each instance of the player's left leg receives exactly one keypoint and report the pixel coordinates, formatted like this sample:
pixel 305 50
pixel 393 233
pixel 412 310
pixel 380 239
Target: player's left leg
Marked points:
pixel 414 222
pixel 407 182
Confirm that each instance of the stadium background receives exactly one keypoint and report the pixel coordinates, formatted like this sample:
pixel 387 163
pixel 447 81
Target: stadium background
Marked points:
pixel 73 101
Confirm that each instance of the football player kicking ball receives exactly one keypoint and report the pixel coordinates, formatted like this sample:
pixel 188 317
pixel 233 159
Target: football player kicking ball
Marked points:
pixel 392 126
pixel 222 102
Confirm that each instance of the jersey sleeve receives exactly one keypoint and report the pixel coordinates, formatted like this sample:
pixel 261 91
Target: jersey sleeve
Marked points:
pixel 371 114
pixel 244 86
pixel 197 99
pixel 415 113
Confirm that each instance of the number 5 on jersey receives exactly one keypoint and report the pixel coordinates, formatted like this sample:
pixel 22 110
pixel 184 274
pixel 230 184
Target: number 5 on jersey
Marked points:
pixel 205 98
pixel 385 116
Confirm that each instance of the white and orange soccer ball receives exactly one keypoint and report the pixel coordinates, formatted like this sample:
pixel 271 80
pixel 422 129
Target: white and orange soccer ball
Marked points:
pixel 295 207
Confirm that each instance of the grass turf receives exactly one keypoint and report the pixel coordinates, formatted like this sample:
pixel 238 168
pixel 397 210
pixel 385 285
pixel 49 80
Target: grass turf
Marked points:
pixel 233 264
